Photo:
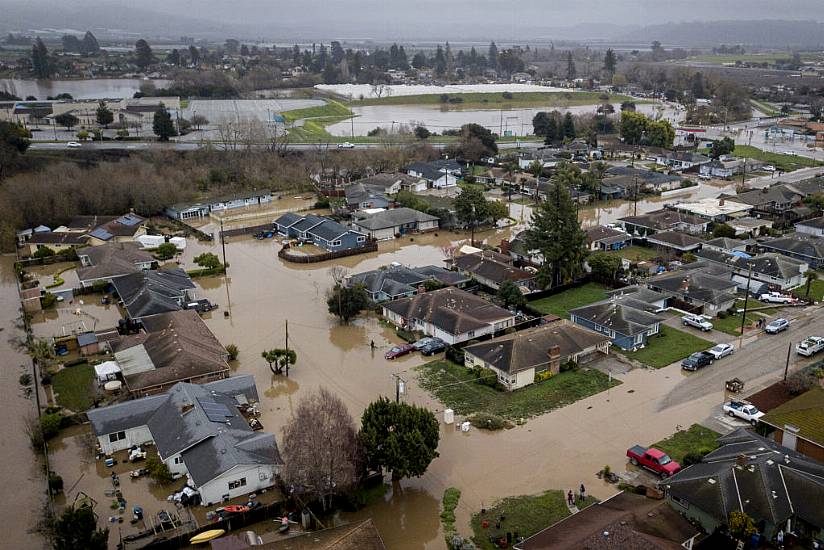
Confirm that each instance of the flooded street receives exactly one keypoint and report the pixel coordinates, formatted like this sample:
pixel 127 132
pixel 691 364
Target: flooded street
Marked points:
pixel 23 485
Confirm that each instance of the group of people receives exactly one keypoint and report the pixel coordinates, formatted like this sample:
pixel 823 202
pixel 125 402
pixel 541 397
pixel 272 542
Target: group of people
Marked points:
pixel 582 493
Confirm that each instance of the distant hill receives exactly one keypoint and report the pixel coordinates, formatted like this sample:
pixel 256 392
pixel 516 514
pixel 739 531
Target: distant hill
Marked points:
pixel 765 33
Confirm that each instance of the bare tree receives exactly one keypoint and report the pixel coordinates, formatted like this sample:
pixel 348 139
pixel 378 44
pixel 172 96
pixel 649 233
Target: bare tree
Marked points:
pixel 320 448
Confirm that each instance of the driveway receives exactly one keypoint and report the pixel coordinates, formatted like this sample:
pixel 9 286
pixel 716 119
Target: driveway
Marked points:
pixel 715 336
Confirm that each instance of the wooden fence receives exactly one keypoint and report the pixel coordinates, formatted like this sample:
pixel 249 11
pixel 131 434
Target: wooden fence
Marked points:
pixel 284 254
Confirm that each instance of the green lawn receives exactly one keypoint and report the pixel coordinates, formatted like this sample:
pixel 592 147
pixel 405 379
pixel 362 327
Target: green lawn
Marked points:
pixel 785 163
pixel 667 347
pixel 496 100
pixel 637 253
pixel 330 109
pixel 695 439
pixel 732 324
pixel 816 290
pixel 74 387
pixel 457 388
pixel 560 304
pixel 525 515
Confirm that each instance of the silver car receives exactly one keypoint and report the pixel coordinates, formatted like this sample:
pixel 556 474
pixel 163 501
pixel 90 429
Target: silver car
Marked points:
pixel 776 326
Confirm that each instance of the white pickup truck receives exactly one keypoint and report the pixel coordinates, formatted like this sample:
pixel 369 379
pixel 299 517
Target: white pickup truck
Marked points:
pixel 776 298
pixel 697 321
pixel 810 346
pixel 743 410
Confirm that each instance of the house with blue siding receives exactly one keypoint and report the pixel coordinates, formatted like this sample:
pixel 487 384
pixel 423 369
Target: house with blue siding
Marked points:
pixel 323 232
pixel 628 322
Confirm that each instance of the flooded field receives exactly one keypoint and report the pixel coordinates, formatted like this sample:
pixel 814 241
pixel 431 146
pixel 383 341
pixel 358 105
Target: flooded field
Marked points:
pixel 100 88
pixel 355 91
pixel 262 294
pixel 438 118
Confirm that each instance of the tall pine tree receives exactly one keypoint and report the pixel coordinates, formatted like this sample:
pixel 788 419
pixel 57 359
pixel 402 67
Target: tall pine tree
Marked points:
pixel 143 56
pixel 610 62
pixel 40 62
pixel 571 71
pixel 163 125
pixel 556 234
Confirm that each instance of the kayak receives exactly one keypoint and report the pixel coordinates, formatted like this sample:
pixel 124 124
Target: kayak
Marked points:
pixel 206 536
pixel 235 508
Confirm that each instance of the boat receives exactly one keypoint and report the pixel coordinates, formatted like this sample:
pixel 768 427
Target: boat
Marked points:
pixel 206 536
pixel 235 509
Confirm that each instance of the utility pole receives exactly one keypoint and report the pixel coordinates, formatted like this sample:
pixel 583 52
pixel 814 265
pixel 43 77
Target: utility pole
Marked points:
pixel 223 245
pixel 787 364
pixel 472 226
pixel 400 384
pixel 635 197
pixel 746 302
pixel 287 347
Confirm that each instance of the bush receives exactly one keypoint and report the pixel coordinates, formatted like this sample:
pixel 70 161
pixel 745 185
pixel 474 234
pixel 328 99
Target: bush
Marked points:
pixel 43 252
pixel 692 458
pixel 456 355
pixel 158 471
pixel 506 95
pixel 232 350
pixel 166 251
pixel 486 421
pixel 48 300
pixel 722 315
pixel 568 366
pixel 50 425
pixel 322 202
pixel 55 483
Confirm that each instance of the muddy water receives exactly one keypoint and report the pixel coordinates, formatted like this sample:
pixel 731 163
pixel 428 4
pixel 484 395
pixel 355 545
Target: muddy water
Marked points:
pixel 20 477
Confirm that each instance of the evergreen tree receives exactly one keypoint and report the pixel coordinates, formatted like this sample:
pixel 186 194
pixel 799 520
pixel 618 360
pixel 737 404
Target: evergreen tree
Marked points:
pixel 440 62
pixel 89 44
pixel 194 55
pixel 556 234
pixel 540 123
pixel 71 43
pixel 40 63
pixel 569 126
pixel 552 131
pixel 104 115
pixel 174 58
pixel 77 528
pixel 571 72
pixel 143 56
pixel 162 125
pixel 610 62
pixel 492 56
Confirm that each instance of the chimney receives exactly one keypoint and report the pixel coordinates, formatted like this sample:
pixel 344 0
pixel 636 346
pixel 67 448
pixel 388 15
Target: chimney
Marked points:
pixel 554 355
pixel 720 202
pixel 741 460
pixel 505 246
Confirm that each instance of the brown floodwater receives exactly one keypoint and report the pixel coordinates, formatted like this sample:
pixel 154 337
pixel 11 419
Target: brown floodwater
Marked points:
pixel 261 293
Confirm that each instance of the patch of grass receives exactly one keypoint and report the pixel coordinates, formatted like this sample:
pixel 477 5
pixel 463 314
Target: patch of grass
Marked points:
pixel 636 253
pixel 732 324
pixel 816 290
pixel 330 109
pixel 525 515
pixel 695 439
pixel 560 304
pixel 785 163
pixel 765 107
pixel 457 388
pixel 496 100
pixel 74 387
pixel 451 497
pixel 667 347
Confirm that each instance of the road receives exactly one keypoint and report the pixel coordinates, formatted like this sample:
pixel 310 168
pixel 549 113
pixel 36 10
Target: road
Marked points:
pixel 192 146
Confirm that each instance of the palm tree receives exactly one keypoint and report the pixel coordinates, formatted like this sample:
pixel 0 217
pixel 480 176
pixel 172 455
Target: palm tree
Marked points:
pixel 810 276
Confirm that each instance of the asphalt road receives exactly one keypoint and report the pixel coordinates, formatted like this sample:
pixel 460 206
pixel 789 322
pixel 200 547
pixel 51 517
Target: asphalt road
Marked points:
pixel 191 146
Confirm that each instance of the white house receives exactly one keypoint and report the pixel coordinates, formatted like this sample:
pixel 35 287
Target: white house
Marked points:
pixel 813 227
pixel 198 431
pixel 387 224
pixel 438 173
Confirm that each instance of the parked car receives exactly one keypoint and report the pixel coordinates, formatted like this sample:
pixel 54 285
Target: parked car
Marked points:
pixel 768 168
pixel 810 346
pixel 73 145
pixel 776 298
pixel 399 351
pixel 653 460
pixel 743 410
pixel 346 145
pixel 776 326
pixel 423 342
pixel 435 346
pixel 697 321
pixel 721 350
pixel 697 360
pixel 264 235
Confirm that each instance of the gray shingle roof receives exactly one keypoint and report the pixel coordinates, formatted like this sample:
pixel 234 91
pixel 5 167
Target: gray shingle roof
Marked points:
pixel 152 292
pixel 124 416
pixel 450 309
pixel 393 218
pixel 623 314
pixel 770 264
pixel 485 266
pixel 288 219
pixel 329 230
pixel 112 260
pixel 802 245
pixel 675 239
pixel 696 285
pixel 663 220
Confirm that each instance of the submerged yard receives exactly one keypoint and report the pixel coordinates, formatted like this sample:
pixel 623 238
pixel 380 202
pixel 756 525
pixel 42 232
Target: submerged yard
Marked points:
pixel 667 347
pixel 459 389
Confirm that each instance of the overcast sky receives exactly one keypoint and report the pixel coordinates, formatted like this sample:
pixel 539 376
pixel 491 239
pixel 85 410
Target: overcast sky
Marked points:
pixel 381 19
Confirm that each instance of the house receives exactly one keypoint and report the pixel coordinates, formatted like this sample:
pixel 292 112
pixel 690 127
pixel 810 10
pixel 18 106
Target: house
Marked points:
pixel 814 227
pixel 708 290
pixel 627 321
pixel 776 487
pixel 674 242
pixel 521 358
pixel 198 431
pixel 727 166
pixel 172 347
pixel 156 291
pixel 725 244
pixel 714 210
pixel 776 271
pixel 774 200
pixel 321 231
pixel 397 221
pixel 548 159
pixel 488 271
pixel 56 241
pixel 680 161
pixel 663 220
pixel 749 227
pixel 451 314
pixel 802 247
pixel 604 238
pixel 629 177
pixel 110 261
pixel 654 301
pixel 439 174
pixel 193 210
pixel 124 228
pixel 798 424
pixel 375 191
pixel 624 521
pixel 517 250
pixel 398 281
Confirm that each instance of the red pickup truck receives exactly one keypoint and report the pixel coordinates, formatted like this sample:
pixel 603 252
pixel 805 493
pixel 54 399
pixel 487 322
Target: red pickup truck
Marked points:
pixel 653 460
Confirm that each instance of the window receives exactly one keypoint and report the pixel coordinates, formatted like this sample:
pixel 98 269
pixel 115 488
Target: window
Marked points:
pixel 336 243
pixel 361 239
pixel 237 484
pixel 178 460
pixel 119 436
pixel 471 333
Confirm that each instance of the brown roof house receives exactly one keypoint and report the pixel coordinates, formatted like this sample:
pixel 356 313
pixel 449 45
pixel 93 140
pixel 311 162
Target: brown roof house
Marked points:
pixel 111 260
pixel 625 521
pixel 526 356
pixel 487 270
pixel 173 347
pixel 798 424
pixel 58 241
pixel 451 314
